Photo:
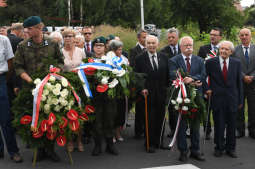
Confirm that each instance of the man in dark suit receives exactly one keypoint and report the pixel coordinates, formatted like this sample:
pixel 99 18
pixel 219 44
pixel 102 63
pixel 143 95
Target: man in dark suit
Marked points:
pixel 155 66
pixel 194 65
pixel 87 33
pixel 139 107
pixel 246 54
pixel 204 51
pixel 171 50
pixel 226 94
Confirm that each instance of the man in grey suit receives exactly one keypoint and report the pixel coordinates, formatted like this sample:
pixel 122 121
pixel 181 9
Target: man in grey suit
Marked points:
pixel 246 53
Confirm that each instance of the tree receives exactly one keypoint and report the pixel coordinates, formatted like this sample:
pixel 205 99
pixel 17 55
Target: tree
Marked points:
pixel 206 13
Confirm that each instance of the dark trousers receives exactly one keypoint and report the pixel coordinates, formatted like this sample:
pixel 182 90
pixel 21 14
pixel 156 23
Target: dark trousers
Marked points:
pixel 207 121
pixel 5 120
pixel 224 119
pixel 249 93
pixel 172 118
pixel 156 112
pixel 194 136
pixel 139 116
pixel 121 112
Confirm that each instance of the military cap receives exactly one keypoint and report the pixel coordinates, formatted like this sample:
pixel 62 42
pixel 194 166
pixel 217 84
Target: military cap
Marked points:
pixel 31 21
pixel 110 37
pixel 100 39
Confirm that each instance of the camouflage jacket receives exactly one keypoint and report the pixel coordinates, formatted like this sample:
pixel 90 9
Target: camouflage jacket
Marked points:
pixel 31 57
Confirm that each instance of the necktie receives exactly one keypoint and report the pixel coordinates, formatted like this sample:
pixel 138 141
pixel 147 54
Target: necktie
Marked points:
pixel 225 71
pixel 88 48
pixel 175 52
pixel 154 63
pixel 187 64
pixel 246 55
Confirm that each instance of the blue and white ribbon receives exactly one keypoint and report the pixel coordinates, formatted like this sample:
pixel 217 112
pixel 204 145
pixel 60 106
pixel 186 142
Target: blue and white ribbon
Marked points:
pixel 98 66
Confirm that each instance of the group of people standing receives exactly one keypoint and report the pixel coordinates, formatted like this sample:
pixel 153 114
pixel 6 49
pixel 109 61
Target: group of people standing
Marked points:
pixel 226 79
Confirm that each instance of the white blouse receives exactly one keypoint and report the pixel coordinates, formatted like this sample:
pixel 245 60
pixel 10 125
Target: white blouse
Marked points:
pixel 75 61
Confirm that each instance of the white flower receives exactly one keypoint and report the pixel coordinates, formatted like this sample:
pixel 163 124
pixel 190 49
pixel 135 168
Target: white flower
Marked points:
pixel 55 101
pixel 57 108
pixel 64 82
pixel 46 107
pixel 64 93
pixel 63 102
pixel 52 79
pixel 186 100
pixel 176 107
pixel 56 91
pixel 110 55
pixel 45 92
pixel 113 83
pixel 104 80
pixel 179 100
pixel 37 81
pixel 49 100
pixel 121 73
pixel 43 97
pixel 185 108
pixel 115 71
pixel 58 86
pixel 49 86
pixel 173 101
pixel 71 102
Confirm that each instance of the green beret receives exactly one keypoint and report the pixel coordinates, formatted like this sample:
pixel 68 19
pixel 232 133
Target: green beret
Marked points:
pixel 100 39
pixel 31 21
pixel 110 37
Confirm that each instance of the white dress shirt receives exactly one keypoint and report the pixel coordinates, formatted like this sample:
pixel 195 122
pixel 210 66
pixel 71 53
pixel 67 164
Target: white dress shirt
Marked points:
pixel 244 49
pixel 6 53
pixel 222 64
pixel 184 58
pixel 155 59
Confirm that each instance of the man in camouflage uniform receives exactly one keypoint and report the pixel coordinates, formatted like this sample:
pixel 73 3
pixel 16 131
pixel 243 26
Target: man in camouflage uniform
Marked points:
pixel 33 55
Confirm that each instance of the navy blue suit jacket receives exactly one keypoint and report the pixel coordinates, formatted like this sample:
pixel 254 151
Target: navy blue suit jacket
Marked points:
pixel 197 69
pixel 229 94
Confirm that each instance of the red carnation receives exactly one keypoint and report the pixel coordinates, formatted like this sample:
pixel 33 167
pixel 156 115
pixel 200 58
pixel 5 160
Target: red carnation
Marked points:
pixel 72 115
pixel 89 109
pixel 101 88
pixel 184 112
pixel 52 118
pixel 90 71
pixel 84 117
pixel 61 140
pixel 38 133
pixel 44 125
pixel 63 124
pixel 74 125
pixel 90 60
pixel 26 119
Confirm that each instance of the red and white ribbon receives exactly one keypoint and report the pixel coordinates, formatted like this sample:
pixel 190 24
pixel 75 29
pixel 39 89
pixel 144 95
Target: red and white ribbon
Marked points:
pixel 38 95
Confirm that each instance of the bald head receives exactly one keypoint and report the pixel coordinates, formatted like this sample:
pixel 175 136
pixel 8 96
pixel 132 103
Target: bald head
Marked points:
pixel 151 43
pixel 245 36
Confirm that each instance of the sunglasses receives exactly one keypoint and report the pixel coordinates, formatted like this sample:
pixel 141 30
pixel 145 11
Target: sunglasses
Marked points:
pixel 87 33
pixel 68 36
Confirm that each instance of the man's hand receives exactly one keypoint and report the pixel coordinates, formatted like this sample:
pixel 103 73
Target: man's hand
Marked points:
pixel 187 80
pixel 144 92
pixel 197 83
pixel 208 93
pixel 16 91
pixel 248 79
pixel 26 77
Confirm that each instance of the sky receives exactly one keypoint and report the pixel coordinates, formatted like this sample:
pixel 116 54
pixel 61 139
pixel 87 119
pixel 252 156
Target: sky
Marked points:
pixel 247 2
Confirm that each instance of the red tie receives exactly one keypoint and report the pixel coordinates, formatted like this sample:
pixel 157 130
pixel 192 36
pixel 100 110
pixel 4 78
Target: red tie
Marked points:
pixel 188 64
pixel 88 48
pixel 225 71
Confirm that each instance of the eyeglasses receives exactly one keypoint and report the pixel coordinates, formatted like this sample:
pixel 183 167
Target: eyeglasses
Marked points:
pixel 99 45
pixel 68 36
pixel 87 33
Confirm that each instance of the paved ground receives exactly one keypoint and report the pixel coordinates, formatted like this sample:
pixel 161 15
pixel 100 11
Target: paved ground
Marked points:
pixel 133 156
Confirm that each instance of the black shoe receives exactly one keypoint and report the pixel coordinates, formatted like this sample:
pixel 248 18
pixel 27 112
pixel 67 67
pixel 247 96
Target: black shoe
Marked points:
pixel 252 135
pixel 183 157
pixel 163 147
pixel 96 151
pixel 53 156
pixel 218 153
pixel 16 158
pixel 171 134
pixel 198 156
pixel 231 154
pixel 208 136
pixel 111 149
pixel 1 154
pixel 239 134
pixel 151 150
